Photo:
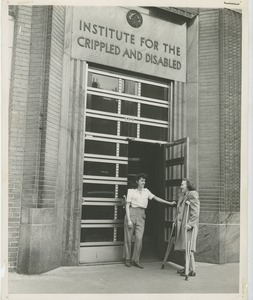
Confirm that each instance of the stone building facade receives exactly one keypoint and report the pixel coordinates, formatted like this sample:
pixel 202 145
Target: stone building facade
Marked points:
pixel 80 121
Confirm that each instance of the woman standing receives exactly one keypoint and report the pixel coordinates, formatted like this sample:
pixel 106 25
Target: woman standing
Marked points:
pixel 187 222
pixel 136 203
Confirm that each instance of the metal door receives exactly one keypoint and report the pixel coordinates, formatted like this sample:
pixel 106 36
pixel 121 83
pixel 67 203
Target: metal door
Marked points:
pixel 117 107
pixel 176 167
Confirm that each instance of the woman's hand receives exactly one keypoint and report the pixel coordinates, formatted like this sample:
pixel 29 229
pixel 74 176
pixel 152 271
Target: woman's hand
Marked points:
pixel 123 201
pixel 164 201
pixel 188 227
pixel 130 224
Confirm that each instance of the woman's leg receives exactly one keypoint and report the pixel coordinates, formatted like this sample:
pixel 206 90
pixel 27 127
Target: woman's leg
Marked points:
pixel 128 234
pixel 139 230
pixel 192 262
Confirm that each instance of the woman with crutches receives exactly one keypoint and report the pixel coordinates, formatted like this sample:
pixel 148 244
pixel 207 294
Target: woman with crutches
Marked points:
pixel 187 222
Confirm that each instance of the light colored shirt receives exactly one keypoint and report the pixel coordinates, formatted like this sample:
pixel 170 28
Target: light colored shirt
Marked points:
pixel 139 198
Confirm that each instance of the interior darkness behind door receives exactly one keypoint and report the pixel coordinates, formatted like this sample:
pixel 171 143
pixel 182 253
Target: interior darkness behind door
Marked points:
pixel 144 158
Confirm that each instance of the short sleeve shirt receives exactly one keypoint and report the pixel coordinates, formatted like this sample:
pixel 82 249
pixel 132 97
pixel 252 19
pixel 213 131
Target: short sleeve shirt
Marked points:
pixel 139 198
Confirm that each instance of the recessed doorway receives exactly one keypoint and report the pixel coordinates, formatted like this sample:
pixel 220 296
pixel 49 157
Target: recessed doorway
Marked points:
pixel 145 158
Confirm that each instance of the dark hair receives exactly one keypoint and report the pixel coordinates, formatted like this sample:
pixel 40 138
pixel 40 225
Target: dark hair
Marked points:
pixel 132 184
pixel 141 175
pixel 189 184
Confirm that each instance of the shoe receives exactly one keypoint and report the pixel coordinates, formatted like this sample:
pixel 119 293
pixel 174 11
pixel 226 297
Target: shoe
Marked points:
pixel 191 273
pixel 128 263
pixel 138 265
pixel 181 271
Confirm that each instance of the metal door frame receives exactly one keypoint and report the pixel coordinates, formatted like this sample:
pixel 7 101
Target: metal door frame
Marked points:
pixel 118 140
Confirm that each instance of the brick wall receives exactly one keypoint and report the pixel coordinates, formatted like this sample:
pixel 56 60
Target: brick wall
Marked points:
pixel 230 116
pixel 209 110
pixel 219 135
pixel 17 122
pixel 219 109
pixel 51 108
pixel 35 104
pixel 34 121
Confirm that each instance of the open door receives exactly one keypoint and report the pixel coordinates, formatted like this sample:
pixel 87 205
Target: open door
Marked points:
pixel 175 163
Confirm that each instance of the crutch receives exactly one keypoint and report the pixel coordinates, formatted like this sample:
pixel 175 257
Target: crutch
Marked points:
pixel 193 234
pixel 187 245
pixel 169 246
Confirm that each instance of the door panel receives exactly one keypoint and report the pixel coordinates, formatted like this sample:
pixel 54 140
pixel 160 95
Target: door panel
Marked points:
pixel 175 164
pixel 101 254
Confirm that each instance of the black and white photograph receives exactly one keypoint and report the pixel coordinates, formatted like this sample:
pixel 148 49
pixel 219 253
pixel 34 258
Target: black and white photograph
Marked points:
pixel 125 153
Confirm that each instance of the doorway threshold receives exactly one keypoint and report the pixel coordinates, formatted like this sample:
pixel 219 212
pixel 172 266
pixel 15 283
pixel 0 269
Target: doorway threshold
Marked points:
pixel 82 264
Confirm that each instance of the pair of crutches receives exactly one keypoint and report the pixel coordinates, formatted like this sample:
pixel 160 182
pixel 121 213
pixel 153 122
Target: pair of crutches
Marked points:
pixel 188 246
pixel 170 243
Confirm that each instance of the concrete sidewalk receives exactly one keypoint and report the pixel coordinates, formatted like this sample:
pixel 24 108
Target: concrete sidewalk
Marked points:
pixel 117 278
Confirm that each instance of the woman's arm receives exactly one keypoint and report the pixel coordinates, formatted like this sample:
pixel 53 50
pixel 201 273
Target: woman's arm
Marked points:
pixel 194 208
pixel 130 224
pixel 163 201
